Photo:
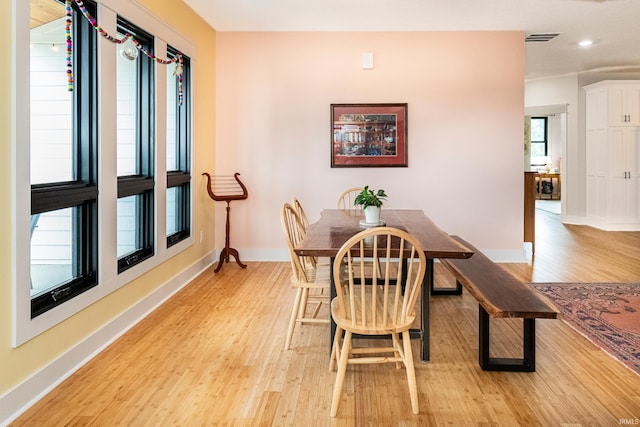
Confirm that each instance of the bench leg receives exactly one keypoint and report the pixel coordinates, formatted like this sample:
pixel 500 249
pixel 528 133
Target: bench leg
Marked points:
pixel 526 364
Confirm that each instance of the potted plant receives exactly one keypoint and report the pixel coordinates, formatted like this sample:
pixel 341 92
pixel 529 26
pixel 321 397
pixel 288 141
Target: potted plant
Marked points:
pixel 371 202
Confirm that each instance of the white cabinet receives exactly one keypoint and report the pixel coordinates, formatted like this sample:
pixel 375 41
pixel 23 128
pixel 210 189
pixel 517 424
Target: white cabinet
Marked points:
pixel 624 105
pixel 613 156
pixel 613 103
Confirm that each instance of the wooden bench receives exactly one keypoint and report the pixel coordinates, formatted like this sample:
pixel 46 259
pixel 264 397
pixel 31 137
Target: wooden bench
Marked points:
pixel 500 295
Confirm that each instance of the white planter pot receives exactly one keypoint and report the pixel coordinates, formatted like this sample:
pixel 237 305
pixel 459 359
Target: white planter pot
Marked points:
pixel 372 214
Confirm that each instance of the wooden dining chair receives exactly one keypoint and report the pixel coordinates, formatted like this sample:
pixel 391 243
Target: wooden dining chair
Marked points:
pixel 386 308
pixel 311 282
pixel 345 201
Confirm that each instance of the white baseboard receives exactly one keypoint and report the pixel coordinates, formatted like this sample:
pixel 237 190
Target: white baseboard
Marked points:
pixel 573 219
pixel 26 394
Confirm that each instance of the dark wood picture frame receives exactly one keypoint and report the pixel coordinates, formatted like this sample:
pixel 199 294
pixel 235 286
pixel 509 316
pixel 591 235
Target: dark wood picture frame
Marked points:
pixel 369 135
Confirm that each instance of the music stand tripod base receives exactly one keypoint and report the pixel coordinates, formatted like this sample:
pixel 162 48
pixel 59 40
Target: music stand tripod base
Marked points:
pixel 224 257
pixel 227 251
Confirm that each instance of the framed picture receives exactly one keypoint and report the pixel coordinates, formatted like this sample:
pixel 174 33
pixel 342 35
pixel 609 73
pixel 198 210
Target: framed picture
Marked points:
pixel 368 135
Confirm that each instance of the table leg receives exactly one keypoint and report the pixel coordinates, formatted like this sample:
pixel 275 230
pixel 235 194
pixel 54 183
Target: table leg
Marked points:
pixel 427 284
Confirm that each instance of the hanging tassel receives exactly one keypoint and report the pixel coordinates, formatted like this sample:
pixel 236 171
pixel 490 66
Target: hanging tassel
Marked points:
pixel 67 29
pixel 178 72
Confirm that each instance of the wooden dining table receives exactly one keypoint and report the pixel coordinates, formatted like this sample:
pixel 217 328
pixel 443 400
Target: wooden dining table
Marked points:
pixel 325 237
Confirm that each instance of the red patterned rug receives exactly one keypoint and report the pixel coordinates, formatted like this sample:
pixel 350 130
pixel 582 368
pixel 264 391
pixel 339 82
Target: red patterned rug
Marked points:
pixel 608 314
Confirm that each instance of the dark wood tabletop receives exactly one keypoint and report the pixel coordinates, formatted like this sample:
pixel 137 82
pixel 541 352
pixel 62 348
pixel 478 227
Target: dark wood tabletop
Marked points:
pixel 325 237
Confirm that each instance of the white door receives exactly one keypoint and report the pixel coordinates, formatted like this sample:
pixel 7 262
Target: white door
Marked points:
pixel 624 175
pixel 632 157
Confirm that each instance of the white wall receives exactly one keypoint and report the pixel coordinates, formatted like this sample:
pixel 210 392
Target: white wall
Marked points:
pixel 556 139
pixel 465 95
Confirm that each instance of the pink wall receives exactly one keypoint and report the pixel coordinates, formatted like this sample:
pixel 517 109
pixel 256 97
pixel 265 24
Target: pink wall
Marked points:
pixel 465 95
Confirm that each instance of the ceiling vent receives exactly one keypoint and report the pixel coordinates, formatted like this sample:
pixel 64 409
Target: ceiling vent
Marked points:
pixel 541 37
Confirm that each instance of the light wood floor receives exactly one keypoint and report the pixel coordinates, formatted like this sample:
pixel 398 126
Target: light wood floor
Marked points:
pixel 213 355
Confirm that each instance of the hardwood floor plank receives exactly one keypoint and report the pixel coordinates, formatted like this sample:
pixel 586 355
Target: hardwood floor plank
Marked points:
pixel 212 355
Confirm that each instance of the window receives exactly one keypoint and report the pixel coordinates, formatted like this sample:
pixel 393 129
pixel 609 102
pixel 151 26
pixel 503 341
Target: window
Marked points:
pixel 178 151
pixel 63 157
pixel 135 148
pixel 539 141
pixel 89 238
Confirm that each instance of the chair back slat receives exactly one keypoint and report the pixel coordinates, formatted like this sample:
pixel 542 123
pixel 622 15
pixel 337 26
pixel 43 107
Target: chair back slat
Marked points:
pixel 301 266
pixel 381 299
pixel 297 206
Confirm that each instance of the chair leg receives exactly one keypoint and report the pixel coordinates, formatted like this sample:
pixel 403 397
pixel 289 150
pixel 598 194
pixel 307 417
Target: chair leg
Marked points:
pixel 335 348
pixel 303 303
pixel 411 372
pixel 397 353
pixel 294 316
pixel 342 368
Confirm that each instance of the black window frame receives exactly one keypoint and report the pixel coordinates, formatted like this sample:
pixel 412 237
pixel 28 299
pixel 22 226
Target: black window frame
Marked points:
pixel 545 142
pixel 181 178
pixel 81 194
pixel 142 183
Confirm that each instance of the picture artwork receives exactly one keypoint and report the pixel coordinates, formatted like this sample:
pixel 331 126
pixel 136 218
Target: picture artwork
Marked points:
pixel 365 135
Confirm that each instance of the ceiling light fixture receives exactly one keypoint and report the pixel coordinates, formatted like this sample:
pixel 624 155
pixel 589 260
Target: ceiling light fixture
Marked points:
pixel 585 43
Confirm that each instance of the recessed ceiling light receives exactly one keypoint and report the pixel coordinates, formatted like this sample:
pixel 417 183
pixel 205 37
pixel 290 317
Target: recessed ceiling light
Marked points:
pixel 585 43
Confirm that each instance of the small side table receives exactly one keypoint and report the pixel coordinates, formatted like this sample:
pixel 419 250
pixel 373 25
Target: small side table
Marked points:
pixel 541 176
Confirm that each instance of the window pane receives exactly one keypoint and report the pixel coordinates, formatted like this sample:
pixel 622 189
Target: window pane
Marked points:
pixel 172 108
pixel 52 249
pixel 173 210
pixel 128 223
pixel 127 83
pixel 538 130
pixel 51 101
pixel 537 151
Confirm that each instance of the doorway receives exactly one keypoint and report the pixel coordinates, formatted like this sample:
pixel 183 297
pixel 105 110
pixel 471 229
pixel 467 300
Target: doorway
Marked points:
pixel 554 161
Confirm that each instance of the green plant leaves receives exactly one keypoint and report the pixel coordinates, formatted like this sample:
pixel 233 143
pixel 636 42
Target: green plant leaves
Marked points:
pixel 369 197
